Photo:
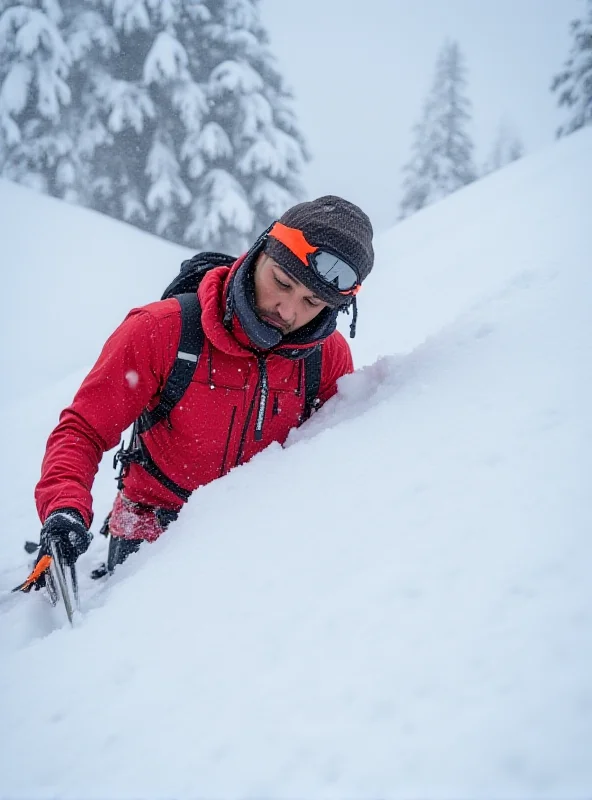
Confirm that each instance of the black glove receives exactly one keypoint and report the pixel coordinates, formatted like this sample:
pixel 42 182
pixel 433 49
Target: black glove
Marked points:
pixel 67 529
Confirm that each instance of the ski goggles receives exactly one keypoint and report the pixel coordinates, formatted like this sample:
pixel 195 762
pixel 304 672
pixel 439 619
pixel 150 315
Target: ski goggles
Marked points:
pixel 328 266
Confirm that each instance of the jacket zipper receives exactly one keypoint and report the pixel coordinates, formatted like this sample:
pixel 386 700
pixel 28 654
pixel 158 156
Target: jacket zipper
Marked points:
pixel 263 381
pixel 261 363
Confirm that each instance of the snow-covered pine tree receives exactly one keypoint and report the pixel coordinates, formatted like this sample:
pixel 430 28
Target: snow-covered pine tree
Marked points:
pixel 92 44
pixel 183 125
pixel 507 147
pixel 34 92
pixel 454 147
pixel 117 114
pixel 247 160
pixel 169 114
pixel 442 160
pixel 420 173
pixel 574 83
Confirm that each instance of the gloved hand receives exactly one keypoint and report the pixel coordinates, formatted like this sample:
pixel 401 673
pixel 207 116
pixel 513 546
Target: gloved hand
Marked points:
pixel 66 527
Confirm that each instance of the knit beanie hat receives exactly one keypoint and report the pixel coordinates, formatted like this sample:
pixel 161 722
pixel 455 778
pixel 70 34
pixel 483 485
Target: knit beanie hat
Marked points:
pixel 330 222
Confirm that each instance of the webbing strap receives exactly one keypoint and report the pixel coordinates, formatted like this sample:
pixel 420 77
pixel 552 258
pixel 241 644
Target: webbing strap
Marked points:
pixel 312 380
pixel 190 346
pixel 151 468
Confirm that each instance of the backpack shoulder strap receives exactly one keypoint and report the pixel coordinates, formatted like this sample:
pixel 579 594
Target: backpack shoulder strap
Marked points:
pixel 312 380
pixel 190 346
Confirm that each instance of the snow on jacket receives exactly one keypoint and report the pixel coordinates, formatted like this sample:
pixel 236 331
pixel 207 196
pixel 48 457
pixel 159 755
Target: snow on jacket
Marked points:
pixel 212 428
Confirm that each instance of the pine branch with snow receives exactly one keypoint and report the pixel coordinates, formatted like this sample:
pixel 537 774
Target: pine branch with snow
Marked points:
pixel 34 69
pixel 573 84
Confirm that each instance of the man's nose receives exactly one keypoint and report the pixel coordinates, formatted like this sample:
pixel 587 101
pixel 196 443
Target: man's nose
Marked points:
pixel 286 308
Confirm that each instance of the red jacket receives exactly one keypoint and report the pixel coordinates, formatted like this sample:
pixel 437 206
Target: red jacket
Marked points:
pixel 212 427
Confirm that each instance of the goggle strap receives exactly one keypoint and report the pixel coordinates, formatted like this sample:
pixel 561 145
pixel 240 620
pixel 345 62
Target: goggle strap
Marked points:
pixel 352 327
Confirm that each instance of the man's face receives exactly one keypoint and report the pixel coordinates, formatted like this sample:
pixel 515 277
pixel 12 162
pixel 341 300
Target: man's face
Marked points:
pixel 281 300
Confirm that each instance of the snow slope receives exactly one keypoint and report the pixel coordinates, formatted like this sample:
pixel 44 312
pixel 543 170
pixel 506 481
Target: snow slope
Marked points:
pixel 72 275
pixel 396 605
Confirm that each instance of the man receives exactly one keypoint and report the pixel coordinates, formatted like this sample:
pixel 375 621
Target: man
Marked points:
pixel 262 318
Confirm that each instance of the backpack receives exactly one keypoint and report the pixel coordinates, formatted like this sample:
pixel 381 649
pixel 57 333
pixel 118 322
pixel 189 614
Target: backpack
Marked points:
pixel 184 289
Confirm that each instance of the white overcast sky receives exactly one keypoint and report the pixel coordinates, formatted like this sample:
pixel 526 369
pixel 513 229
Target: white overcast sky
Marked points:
pixel 360 70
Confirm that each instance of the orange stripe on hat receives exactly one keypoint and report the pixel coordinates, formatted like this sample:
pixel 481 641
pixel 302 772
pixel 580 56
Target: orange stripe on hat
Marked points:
pixel 294 240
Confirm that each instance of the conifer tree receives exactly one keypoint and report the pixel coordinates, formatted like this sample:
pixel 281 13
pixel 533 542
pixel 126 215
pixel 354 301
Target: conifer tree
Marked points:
pixel 574 83
pixel 250 150
pixel 131 91
pixel 172 115
pixel 442 159
pixel 420 173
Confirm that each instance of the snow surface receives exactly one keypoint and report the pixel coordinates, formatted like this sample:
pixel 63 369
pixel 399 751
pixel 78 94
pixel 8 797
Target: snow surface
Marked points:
pixel 398 604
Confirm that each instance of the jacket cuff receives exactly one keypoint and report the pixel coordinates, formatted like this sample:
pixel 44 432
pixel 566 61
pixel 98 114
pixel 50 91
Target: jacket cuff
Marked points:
pixel 73 512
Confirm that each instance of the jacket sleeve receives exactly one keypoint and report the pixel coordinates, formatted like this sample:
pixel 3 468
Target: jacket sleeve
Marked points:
pixel 127 375
pixel 337 361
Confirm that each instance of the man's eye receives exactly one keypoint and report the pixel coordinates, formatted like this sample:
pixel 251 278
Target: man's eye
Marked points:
pixel 281 283
pixel 313 303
